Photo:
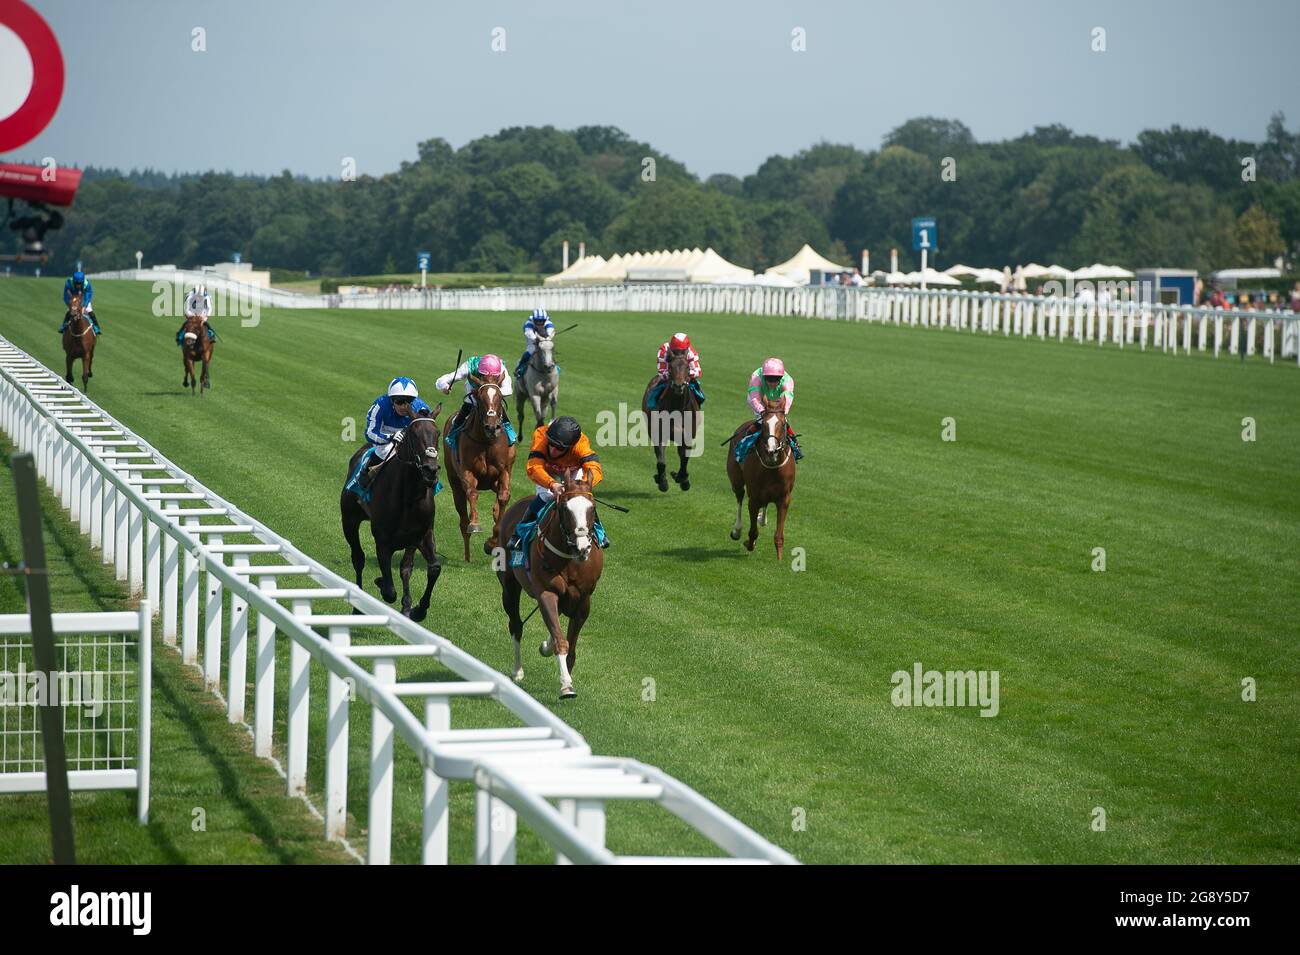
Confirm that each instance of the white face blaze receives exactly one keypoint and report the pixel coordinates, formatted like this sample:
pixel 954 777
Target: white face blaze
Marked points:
pixel 771 442
pixel 581 513
pixel 488 392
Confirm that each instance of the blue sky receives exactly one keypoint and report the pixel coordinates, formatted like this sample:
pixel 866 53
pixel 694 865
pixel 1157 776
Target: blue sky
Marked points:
pixel 300 85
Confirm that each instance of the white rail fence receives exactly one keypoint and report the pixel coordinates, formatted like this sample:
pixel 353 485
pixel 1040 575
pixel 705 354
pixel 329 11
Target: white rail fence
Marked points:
pixel 1169 328
pixel 103 688
pixel 147 516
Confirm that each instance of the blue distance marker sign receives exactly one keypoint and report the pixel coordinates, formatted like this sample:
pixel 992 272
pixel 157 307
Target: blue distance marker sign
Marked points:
pixel 925 234
pixel 422 260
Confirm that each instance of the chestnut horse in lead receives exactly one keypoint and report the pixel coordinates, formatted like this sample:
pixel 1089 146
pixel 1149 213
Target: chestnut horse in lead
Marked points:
pixel 766 476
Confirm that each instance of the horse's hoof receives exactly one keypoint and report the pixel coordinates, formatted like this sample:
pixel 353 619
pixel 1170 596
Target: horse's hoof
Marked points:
pixel 749 545
pixel 735 535
pixel 475 529
pixel 545 649
pixel 417 613
pixel 686 485
pixel 661 482
pixel 567 692
pixel 519 675
pixel 388 595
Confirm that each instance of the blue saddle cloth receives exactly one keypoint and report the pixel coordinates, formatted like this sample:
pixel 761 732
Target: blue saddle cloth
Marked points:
pixel 525 531
pixel 746 444
pixel 454 434
pixel 354 480
pixel 658 391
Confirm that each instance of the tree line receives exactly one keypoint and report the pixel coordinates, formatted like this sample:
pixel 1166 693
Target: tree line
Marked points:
pixel 1175 197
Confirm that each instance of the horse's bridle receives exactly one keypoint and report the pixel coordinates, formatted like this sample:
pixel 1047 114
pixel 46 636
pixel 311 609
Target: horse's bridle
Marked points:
pixel 400 440
pixel 80 316
pixel 481 414
pixel 537 350
pixel 785 444
pixel 569 540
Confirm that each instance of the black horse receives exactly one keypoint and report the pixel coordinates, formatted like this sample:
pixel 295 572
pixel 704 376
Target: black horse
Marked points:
pixel 400 511
pixel 675 419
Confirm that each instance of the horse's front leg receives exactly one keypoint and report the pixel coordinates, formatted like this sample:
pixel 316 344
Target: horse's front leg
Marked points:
pixel 539 404
pixel 471 499
pixel 68 375
pixel 754 508
pixel 558 642
pixel 680 476
pixel 384 554
pixel 428 549
pixel 575 627
pixel 661 480
pixel 782 506
pixel 499 508
pixel 405 568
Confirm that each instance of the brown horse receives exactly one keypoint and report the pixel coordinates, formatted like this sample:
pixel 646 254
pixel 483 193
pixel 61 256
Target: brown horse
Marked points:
pixel 564 566
pixel 196 346
pixel 400 512
pixel 675 419
pixel 767 476
pixel 78 341
pixel 482 462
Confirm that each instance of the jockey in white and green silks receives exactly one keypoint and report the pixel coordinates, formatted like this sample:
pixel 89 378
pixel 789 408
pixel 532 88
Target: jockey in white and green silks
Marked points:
pixel 474 372
pixel 771 384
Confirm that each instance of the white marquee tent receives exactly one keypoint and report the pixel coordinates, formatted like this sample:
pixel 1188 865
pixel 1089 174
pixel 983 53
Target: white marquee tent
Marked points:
pixel 798 267
pixel 665 265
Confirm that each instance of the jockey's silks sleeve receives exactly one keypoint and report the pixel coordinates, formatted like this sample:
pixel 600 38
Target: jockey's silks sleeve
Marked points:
pixel 544 472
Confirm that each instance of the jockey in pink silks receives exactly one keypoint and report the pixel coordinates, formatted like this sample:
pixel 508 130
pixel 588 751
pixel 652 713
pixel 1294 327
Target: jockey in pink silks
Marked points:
pixel 771 383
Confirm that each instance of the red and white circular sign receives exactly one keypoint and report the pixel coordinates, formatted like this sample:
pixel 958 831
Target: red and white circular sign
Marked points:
pixel 30 61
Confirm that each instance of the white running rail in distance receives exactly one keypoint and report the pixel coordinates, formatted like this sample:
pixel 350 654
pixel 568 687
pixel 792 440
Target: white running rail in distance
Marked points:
pixel 1120 322
pixel 181 547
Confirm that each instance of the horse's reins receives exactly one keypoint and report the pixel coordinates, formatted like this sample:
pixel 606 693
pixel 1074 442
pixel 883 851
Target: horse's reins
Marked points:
pixel 785 443
pixel 479 414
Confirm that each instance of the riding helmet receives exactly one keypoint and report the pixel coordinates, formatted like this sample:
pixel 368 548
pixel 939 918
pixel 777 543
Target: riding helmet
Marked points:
pixel 402 388
pixel 564 431
pixel 78 278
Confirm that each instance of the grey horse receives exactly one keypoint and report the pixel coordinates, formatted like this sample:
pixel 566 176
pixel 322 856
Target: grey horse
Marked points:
pixel 540 383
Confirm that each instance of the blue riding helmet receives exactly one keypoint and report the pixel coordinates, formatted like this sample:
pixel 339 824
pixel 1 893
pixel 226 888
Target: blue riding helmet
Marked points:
pixel 539 315
pixel 78 278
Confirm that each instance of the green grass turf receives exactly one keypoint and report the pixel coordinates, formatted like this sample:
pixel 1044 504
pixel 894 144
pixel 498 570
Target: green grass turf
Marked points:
pixel 1119 689
pixel 199 760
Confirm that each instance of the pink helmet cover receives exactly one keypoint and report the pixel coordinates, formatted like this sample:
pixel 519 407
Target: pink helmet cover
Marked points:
pixel 773 366
pixel 489 365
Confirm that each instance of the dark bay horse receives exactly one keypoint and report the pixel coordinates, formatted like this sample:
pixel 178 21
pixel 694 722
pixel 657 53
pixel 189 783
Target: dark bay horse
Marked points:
pixel 400 512
pixel 675 419
pixel 482 461
pixel 196 347
pixel 564 566
pixel 767 476
pixel 79 342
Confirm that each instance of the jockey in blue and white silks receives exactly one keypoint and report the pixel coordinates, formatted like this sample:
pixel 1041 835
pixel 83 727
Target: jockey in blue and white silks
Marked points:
pixel 197 302
pixel 538 325
pixel 78 283
pixel 388 414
